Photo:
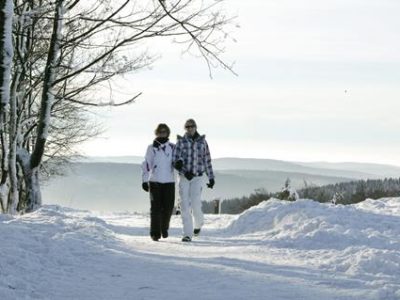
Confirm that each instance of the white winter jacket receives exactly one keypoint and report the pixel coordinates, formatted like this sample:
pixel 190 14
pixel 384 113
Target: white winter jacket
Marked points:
pixel 157 166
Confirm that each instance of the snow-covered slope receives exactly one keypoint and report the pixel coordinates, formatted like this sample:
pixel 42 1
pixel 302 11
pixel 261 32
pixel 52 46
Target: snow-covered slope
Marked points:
pixel 277 250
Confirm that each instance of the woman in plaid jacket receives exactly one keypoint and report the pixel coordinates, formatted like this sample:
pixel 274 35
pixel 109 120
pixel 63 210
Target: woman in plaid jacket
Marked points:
pixel 192 159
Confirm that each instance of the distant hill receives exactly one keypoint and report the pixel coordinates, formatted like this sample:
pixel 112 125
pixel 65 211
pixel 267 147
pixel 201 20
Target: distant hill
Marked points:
pixel 114 159
pixel 380 170
pixel 117 186
pixel 285 166
pixel 114 183
pixel 351 170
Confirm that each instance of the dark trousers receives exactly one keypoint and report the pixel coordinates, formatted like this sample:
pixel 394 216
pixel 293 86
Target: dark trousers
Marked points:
pixel 162 197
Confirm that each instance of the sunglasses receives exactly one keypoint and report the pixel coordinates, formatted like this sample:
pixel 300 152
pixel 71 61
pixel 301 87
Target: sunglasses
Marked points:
pixel 190 126
pixel 163 131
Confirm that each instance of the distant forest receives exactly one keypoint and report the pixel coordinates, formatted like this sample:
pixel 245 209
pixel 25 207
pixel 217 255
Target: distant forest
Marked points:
pixel 339 193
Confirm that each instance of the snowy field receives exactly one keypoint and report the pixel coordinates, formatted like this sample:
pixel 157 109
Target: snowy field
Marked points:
pixel 277 250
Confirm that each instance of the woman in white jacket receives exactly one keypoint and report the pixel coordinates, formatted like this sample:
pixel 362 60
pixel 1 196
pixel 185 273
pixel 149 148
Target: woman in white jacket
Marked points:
pixel 158 178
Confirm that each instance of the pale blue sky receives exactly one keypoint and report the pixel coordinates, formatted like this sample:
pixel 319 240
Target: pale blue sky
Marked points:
pixel 295 60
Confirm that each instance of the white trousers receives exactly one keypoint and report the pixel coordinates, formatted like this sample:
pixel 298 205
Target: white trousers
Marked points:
pixel 190 201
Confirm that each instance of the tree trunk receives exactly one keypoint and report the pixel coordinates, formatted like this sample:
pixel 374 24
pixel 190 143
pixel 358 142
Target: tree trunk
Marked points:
pixel 3 197
pixel 33 194
pixel 6 52
pixel 6 55
pixel 31 170
pixel 13 132
pixel 48 88
pixel 4 188
pixel 33 197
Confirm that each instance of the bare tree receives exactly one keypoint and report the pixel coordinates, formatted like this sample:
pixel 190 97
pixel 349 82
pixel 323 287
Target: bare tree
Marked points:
pixel 6 55
pixel 6 52
pixel 66 50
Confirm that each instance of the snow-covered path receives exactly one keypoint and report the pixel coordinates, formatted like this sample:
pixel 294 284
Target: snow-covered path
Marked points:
pixel 278 250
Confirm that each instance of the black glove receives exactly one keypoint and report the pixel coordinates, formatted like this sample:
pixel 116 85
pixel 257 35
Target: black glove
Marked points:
pixel 211 183
pixel 178 165
pixel 189 175
pixel 145 186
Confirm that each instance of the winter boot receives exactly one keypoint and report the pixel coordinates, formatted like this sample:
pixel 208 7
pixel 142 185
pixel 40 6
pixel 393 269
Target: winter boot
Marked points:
pixel 196 232
pixel 186 239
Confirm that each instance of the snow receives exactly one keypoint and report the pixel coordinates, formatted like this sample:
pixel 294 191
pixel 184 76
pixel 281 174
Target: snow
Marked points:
pixel 276 250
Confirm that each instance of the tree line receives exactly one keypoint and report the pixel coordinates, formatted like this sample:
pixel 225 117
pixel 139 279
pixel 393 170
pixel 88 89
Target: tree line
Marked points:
pixel 339 193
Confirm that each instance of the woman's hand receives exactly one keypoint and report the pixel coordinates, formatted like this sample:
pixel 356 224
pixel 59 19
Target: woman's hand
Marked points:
pixel 211 183
pixel 145 186
pixel 178 165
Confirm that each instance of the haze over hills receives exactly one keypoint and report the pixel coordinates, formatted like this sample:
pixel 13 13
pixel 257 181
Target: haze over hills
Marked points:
pixel 346 169
pixel 285 166
pixel 381 170
pixel 132 159
pixel 114 183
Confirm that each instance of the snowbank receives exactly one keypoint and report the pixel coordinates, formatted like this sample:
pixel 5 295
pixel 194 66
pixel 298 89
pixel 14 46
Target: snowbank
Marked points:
pixel 361 240
pixel 311 225
pixel 286 250
pixel 44 249
pixel 384 206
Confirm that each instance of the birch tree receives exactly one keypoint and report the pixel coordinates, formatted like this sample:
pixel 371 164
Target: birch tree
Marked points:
pixel 6 52
pixel 65 50
pixel 6 55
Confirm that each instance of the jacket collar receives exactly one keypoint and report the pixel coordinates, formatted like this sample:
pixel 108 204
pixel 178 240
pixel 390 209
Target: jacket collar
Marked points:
pixel 195 137
pixel 157 143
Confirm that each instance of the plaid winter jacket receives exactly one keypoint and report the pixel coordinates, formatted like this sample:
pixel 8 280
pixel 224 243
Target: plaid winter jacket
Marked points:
pixel 195 154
